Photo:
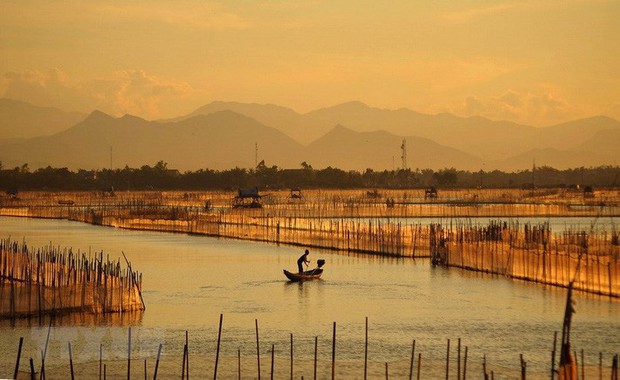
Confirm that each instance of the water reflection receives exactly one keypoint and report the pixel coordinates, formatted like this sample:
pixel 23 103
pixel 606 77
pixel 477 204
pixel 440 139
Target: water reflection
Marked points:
pixel 190 280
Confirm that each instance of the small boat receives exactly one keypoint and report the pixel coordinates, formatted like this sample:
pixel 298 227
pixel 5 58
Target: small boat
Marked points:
pixel 313 274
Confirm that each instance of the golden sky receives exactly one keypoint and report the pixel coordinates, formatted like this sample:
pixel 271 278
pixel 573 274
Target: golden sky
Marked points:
pixel 536 62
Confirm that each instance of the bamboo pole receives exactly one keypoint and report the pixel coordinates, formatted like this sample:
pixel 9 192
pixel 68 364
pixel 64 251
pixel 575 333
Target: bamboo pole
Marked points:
pixel 129 354
pixel 419 366
pixel 71 361
pixel 217 351
pixel 291 356
pixel 366 349
pixel 458 360
pixel 465 365
pixel 334 352
pixel 19 354
pixel 257 348
pixel 157 362
pixel 272 359
pixel 316 343
pixel 411 364
pixel 187 356
pixel 448 360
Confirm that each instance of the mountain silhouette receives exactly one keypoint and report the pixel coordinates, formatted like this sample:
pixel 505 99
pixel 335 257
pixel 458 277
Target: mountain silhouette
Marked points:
pixel 352 135
pixel 23 120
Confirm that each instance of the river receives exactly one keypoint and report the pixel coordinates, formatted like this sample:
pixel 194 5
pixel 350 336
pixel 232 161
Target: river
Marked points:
pixel 189 281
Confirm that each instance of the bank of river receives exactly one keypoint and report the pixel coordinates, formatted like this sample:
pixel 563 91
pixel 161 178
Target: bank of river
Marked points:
pixel 189 280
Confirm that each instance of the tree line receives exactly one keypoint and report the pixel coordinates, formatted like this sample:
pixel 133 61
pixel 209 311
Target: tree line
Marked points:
pixel 160 177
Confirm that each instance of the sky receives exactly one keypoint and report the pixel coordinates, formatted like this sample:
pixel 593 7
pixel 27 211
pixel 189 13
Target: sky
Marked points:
pixel 538 62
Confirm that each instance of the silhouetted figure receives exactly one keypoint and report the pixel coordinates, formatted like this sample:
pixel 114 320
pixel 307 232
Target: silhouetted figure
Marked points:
pixel 301 260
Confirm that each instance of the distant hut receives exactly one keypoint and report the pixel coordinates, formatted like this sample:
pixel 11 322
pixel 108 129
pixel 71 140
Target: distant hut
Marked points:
pixel 247 198
pixel 430 192
pixel 296 193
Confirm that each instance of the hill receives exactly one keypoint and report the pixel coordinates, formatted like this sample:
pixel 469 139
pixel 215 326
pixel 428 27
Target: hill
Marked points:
pixel 23 120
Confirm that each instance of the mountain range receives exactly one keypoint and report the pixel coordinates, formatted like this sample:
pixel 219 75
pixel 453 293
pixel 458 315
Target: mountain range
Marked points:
pixel 223 135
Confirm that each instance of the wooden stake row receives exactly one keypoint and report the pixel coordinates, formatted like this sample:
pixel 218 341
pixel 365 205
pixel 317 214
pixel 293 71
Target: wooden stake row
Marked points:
pixel 415 368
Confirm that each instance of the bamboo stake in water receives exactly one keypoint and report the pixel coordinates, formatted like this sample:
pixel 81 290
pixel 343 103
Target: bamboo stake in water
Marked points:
pixel 71 361
pixel 184 362
pixel 19 354
pixel 42 374
pixel 448 360
pixel 291 356
pixel 334 353
pixel 411 364
pixel 458 360
pixel 100 359
pixel 187 357
pixel 217 351
pixel 583 365
pixel 129 355
pixel 32 374
pixel 419 366
pixel 257 348
pixel 316 343
pixel 465 365
pixel 157 362
pixel 366 350
pixel 555 341
pixel 273 348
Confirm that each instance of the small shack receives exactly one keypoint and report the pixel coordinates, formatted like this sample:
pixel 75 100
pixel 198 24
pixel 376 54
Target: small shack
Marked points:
pixel 296 193
pixel 247 198
pixel 430 192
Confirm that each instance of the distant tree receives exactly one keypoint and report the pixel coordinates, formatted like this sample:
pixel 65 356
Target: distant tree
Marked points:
pixel 446 177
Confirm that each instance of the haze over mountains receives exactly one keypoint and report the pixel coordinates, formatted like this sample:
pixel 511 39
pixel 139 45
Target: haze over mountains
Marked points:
pixel 223 135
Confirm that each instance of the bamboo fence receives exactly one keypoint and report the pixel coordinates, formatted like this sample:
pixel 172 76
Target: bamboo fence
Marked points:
pixel 532 253
pixel 377 223
pixel 51 280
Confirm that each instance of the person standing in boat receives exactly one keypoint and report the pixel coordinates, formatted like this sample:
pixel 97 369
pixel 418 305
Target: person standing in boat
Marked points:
pixel 301 260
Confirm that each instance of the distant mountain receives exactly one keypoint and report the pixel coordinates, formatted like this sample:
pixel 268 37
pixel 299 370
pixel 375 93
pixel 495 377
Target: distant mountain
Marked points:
pixel 23 120
pixel 352 135
pixel 495 142
pixel 346 149
pixel 603 142
pixel 284 119
pixel 558 159
pixel 217 141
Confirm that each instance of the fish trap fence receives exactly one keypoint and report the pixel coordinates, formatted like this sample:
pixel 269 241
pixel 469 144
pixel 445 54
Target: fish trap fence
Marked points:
pixel 51 280
pixel 532 253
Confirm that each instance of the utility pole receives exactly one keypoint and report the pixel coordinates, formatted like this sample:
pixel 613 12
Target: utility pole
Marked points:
pixel 110 157
pixel 255 154
pixel 403 148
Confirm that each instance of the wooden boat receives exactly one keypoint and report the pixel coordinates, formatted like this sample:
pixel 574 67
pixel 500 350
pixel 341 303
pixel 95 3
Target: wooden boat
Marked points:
pixel 313 274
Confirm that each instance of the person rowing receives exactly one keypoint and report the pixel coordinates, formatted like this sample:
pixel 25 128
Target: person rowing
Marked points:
pixel 303 259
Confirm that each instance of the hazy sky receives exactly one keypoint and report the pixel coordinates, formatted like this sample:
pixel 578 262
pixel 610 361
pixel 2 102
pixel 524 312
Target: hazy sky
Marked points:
pixel 536 62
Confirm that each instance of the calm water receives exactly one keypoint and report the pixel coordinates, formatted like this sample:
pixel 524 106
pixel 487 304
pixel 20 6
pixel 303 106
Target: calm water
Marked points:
pixel 190 280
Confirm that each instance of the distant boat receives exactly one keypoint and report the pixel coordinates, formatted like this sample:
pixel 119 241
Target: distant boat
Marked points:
pixel 313 274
